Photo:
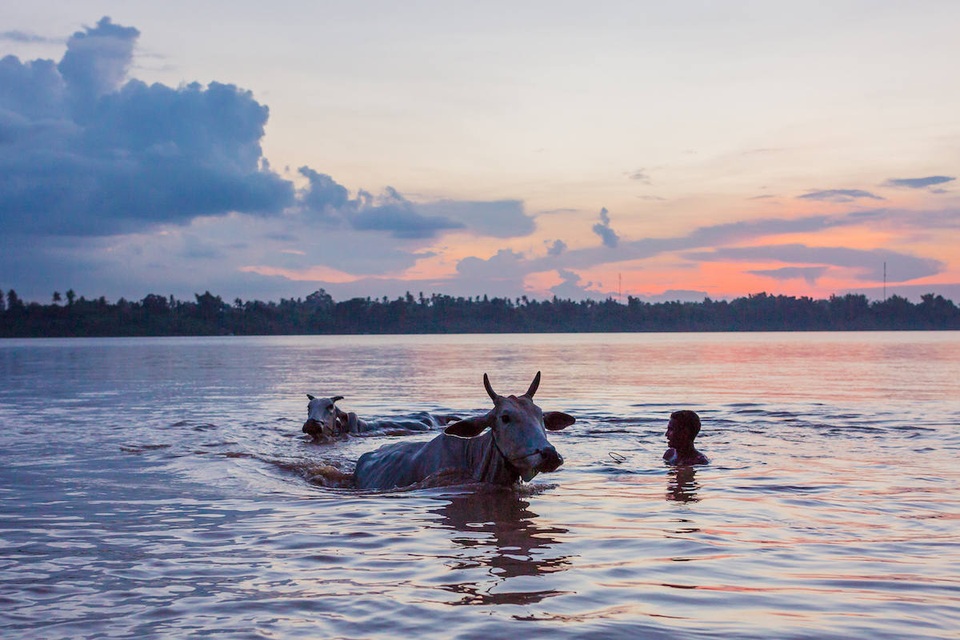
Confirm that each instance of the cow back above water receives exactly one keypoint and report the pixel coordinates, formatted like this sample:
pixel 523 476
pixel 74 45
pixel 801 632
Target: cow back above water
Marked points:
pixel 326 422
pixel 506 445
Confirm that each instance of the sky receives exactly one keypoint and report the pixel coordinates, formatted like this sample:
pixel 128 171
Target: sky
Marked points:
pixel 661 150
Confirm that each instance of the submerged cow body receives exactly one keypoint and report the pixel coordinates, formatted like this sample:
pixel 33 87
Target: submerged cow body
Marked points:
pixel 514 448
pixel 326 421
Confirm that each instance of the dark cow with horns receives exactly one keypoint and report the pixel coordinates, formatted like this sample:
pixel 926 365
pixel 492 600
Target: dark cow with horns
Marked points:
pixel 514 448
pixel 326 421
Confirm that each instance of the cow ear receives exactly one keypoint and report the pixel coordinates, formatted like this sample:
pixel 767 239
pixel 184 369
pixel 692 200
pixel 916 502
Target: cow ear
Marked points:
pixel 469 428
pixel 310 397
pixel 557 420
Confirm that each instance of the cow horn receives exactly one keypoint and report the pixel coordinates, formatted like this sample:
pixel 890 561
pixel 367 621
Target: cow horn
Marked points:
pixel 533 386
pixel 310 397
pixel 490 392
pixel 335 398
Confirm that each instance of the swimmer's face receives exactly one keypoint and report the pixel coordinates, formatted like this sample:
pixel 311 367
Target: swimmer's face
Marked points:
pixel 677 436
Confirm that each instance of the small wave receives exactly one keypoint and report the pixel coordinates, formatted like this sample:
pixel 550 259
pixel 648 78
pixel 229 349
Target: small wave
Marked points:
pixel 614 419
pixel 142 448
pixel 237 454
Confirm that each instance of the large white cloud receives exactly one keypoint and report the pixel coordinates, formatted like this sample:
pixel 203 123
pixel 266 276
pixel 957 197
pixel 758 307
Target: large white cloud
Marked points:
pixel 85 152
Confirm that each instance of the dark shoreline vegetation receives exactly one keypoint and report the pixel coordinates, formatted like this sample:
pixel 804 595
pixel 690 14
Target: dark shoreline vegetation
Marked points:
pixel 156 315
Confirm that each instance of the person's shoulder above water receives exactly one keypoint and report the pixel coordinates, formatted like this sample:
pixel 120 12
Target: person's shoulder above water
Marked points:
pixel 672 457
pixel 681 432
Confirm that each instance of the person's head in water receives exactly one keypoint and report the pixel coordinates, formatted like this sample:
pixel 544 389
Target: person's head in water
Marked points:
pixel 682 429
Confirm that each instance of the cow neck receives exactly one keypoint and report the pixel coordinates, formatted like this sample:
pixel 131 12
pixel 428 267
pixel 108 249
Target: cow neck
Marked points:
pixel 508 465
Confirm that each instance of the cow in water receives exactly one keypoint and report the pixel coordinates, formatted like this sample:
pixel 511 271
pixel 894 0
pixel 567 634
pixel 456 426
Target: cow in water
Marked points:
pixel 326 421
pixel 514 448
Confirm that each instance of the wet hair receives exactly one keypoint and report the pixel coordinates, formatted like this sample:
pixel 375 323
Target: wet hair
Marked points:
pixel 687 419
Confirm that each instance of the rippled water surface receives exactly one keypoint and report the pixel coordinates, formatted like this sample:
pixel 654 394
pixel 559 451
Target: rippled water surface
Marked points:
pixel 162 488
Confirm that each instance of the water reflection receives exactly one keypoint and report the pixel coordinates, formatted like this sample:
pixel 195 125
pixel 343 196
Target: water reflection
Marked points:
pixel 682 485
pixel 499 539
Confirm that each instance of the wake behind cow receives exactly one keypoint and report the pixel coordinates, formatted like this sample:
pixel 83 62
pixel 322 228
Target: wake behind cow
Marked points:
pixel 514 448
pixel 326 421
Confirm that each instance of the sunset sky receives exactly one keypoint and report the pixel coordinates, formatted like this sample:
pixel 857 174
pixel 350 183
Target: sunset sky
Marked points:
pixel 664 150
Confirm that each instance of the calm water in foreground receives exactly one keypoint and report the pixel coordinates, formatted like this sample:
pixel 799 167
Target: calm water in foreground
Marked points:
pixel 162 488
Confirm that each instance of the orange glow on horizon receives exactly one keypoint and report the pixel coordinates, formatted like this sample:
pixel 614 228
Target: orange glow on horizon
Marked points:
pixel 847 237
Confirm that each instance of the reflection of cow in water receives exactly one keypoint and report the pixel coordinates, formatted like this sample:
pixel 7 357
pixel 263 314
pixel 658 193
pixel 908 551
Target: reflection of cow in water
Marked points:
pixel 514 448
pixel 499 539
pixel 325 421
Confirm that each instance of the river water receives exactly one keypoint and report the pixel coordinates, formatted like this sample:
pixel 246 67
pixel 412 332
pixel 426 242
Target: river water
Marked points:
pixel 162 488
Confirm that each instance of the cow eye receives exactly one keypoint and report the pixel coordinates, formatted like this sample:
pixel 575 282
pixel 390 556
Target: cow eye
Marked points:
pixel 505 418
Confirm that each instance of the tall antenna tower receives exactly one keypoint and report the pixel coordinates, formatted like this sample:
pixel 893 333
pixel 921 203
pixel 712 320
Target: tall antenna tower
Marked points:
pixel 884 280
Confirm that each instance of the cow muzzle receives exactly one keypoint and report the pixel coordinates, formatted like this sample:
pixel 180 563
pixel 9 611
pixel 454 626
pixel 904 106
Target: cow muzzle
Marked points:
pixel 550 460
pixel 313 428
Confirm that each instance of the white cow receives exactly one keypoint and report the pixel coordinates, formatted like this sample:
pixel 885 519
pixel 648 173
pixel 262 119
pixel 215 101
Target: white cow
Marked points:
pixel 326 421
pixel 514 448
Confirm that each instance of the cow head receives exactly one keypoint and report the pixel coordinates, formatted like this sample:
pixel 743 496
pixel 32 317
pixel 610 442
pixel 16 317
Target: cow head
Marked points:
pixel 519 430
pixel 323 418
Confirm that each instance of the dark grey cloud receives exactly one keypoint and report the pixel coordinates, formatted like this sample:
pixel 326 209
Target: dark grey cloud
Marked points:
pixel 32 101
pixel 603 229
pixel 502 274
pixel 732 232
pixel 839 195
pixel 394 214
pixel 328 201
pixel 556 248
pixel 938 219
pixel 810 274
pixel 25 37
pixel 83 153
pixel 572 287
pixel 917 183
pixel 901 267
pixel 97 60
pixel 391 212
pixel 504 261
pixel 497 218
pixel 324 195
pixel 641 176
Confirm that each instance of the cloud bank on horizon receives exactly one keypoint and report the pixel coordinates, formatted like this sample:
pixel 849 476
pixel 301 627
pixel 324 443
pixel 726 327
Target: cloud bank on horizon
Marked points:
pixel 112 185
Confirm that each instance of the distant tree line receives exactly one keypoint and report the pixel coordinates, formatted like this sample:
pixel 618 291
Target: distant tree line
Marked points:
pixel 157 315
